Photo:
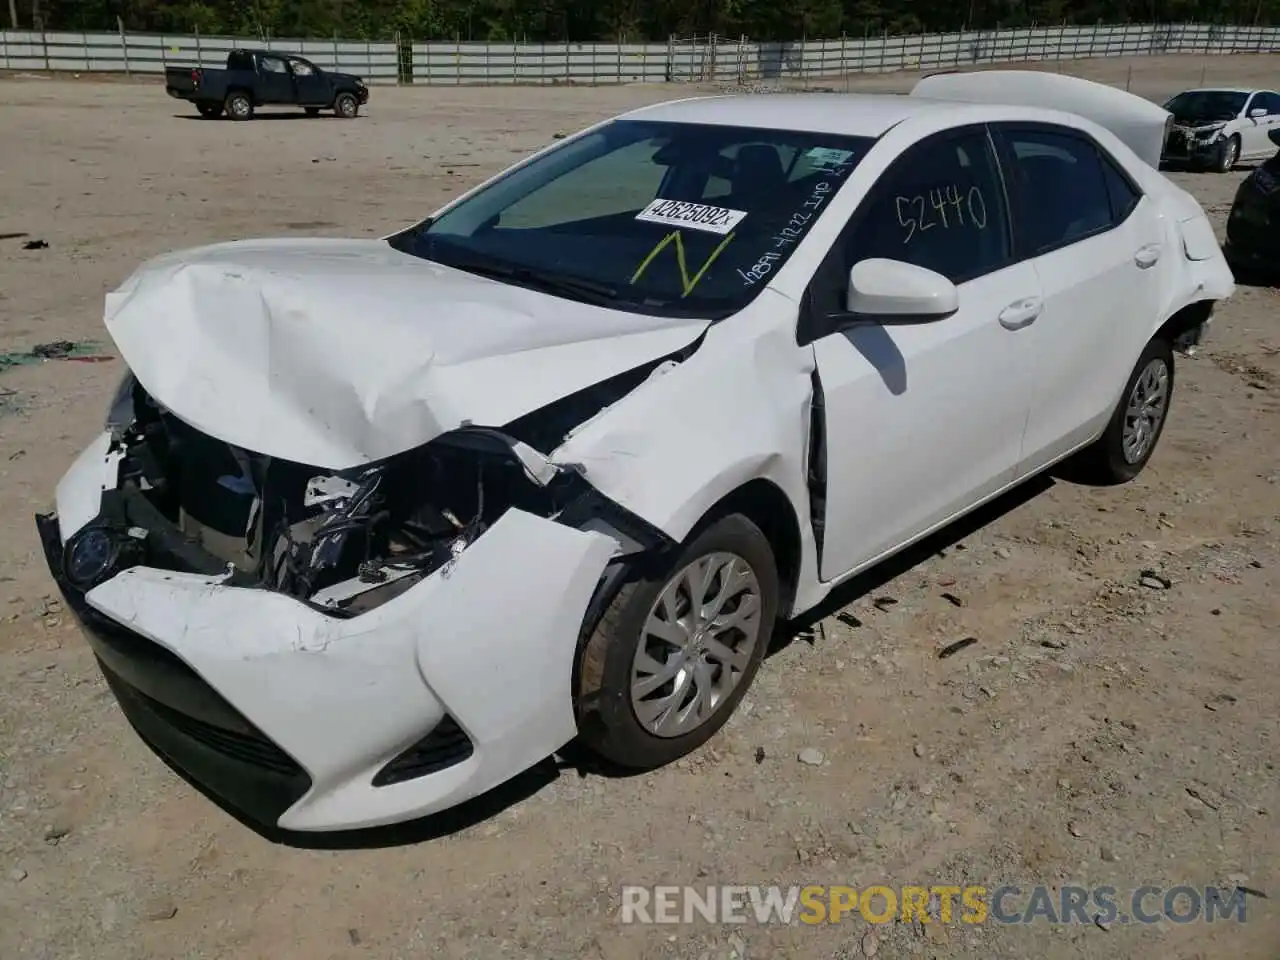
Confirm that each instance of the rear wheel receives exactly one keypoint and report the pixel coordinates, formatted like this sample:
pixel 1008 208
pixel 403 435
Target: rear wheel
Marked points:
pixel 346 106
pixel 675 652
pixel 239 106
pixel 1137 423
pixel 210 111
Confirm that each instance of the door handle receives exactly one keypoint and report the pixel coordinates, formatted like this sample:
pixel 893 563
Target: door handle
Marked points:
pixel 1020 313
pixel 1147 256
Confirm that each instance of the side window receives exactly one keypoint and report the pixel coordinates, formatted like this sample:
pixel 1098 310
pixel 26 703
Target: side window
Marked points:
pixel 939 206
pixel 301 68
pixel 273 65
pixel 1059 186
pixel 1268 100
pixel 1122 194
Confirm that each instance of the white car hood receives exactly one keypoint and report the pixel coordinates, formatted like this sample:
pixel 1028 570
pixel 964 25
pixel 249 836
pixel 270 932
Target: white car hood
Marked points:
pixel 334 353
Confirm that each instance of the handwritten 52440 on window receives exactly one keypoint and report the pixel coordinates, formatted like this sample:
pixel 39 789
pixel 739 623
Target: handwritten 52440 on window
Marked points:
pixel 947 206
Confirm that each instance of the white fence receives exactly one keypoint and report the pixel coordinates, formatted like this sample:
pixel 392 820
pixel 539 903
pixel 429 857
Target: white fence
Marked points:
pixel 150 53
pixel 713 58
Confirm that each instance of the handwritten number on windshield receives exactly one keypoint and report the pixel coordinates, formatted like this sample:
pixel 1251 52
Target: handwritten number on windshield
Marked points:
pixel 687 283
pixel 945 207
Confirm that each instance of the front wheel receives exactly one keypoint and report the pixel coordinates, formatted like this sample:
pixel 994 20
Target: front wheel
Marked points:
pixel 1137 423
pixel 675 652
pixel 239 106
pixel 1230 153
pixel 346 106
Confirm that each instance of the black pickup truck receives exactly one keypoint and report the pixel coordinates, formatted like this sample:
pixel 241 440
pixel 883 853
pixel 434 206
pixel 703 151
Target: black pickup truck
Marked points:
pixel 258 78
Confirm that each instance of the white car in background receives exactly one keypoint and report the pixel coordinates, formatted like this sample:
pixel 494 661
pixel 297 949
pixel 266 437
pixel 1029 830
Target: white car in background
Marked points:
pixel 1217 128
pixel 375 525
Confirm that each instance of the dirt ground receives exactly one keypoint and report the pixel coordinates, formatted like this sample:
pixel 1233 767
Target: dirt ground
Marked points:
pixel 1098 731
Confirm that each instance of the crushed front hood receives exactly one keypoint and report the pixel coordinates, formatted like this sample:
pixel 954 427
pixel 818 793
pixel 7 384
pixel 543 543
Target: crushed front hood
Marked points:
pixel 335 353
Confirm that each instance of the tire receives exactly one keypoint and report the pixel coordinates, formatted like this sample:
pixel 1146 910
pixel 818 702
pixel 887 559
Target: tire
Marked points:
pixel 346 106
pixel 210 111
pixel 1120 453
pixel 1229 155
pixel 627 725
pixel 239 106
pixel 312 111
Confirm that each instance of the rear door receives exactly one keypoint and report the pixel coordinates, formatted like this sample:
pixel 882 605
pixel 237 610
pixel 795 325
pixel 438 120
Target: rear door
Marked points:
pixel 1094 241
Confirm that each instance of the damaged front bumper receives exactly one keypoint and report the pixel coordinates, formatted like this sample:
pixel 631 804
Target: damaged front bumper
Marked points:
pixel 305 719
pixel 1183 146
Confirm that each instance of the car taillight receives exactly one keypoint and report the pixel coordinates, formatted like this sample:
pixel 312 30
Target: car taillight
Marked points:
pixel 195 77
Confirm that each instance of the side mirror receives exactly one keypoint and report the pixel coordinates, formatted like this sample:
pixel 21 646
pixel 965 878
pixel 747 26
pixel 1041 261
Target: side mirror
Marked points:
pixel 1257 112
pixel 890 291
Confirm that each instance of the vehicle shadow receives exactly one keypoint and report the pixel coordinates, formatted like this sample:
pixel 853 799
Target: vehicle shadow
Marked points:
pixel 805 627
pixel 455 820
pixel 257 116
pixel 1243 166
pixel 575 760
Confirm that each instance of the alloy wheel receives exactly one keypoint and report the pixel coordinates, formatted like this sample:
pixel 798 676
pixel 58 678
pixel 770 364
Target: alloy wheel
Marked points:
pixel 696 644
pixel 1148 401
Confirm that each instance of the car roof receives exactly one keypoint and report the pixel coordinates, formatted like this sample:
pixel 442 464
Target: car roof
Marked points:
pixel 1247 90
pixel 262 52
pixel 850 114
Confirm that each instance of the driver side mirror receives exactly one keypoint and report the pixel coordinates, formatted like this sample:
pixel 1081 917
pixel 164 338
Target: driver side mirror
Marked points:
pixel 892 292
pixel 1257 112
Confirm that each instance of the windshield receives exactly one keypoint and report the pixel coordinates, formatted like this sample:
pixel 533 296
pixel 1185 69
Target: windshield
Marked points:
pixel 665 218
pixel 1206 106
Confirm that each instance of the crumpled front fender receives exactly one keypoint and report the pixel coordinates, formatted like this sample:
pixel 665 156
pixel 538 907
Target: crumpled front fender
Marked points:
pixel 737 410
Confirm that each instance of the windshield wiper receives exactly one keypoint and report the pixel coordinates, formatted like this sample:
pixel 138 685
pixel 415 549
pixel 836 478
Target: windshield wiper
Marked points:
pixel 589 291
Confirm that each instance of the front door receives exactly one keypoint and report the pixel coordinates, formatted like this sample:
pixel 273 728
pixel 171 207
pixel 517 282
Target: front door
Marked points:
pixel 924 421
pixel 1255 138
pixel 275 83
pixel 312 85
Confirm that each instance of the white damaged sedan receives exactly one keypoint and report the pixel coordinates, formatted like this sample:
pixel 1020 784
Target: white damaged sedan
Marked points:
pixel 375 525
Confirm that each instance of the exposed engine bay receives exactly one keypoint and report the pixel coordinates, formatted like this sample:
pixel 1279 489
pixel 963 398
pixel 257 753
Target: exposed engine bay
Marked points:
pixel 344 541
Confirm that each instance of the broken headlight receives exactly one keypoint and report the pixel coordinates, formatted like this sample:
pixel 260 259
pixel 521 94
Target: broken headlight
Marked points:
pixel 359 537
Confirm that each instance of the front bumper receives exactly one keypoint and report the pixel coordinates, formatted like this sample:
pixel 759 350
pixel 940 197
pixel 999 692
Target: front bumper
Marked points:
pixel 1193 150
pixel 299 720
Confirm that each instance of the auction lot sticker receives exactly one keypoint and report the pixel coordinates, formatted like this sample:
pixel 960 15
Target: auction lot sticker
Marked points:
pixel 696 216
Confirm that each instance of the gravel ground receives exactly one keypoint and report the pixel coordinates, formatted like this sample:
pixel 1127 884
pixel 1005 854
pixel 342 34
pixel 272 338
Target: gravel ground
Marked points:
pixel 1099 731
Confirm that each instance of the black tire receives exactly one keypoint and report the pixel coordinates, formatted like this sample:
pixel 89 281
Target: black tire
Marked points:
pixel 239 105
pixel 1229 155
pixel 210 111
pixel 346 106
pixel 607 720
pixel 1105 461
pixel 312 111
